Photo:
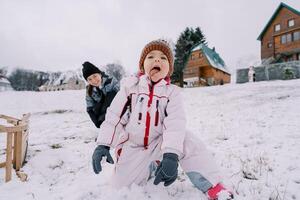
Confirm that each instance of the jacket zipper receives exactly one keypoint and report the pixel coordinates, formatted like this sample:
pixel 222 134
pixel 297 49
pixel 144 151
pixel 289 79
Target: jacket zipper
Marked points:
pixel 156 114
pixel 140 114
pixel 147 129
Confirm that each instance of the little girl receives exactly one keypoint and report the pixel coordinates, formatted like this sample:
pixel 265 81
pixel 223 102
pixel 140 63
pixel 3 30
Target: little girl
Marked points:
pixel 146 125
pixel 100 92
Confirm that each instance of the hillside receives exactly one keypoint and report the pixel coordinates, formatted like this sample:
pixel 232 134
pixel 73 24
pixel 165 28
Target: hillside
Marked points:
pixel 252 129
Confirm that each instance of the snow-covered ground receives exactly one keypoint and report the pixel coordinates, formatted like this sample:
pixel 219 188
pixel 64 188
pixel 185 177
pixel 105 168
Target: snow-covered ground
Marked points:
pixel 253 130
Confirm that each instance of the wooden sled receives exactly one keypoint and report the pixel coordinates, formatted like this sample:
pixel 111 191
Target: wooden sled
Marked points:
pixel 16 143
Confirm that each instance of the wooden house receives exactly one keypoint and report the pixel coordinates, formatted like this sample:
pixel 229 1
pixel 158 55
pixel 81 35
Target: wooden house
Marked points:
pixel 70 80
pixel 205 67
pixel 280 38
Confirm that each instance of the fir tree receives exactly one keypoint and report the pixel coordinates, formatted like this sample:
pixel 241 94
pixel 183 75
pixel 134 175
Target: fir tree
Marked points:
pixel 187 39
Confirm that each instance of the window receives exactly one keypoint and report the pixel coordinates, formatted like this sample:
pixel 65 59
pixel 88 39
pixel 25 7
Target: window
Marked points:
pixel 277 27
pixel 192 57
pixel 200 55
pixel 283 39
pixel 291 22
pixel 289 37
pixel 269 44
pixel 296 36
pixel 298 56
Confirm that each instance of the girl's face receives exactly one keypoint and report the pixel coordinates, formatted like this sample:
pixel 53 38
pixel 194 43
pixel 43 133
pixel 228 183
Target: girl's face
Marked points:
pixel 95 79
pixel 156 65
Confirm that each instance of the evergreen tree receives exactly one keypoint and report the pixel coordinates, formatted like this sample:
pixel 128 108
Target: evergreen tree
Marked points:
pixel 15 79
pixel 187 39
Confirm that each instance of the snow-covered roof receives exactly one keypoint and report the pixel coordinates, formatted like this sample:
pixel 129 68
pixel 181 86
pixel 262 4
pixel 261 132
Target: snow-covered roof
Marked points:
pixel 64 77
pixel 212 56
pixel 5 84
pixel 3 79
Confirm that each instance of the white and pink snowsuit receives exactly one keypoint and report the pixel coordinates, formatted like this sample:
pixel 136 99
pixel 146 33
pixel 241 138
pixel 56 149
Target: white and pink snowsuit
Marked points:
pixel 153 124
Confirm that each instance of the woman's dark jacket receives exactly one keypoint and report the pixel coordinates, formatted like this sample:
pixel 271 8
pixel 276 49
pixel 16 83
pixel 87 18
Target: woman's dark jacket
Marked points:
pixel 98 99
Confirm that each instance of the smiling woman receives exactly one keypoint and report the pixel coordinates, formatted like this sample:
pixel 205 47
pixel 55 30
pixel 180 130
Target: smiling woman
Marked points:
pixel 100 92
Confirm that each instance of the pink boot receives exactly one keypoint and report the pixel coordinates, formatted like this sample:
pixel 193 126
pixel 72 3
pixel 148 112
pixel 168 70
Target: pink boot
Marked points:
pixel 218 192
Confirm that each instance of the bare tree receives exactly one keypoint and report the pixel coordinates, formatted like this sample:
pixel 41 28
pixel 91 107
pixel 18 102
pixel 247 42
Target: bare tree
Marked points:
pixel 115 70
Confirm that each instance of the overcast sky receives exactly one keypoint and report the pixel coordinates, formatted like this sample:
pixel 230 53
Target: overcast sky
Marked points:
pixel 61 34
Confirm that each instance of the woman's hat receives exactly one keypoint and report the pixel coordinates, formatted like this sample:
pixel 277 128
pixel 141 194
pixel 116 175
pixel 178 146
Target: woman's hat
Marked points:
pixel 89 69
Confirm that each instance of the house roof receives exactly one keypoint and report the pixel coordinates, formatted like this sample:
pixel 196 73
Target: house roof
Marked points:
pixel 3 79
pixel 64 77
pixel 281 5
pixel 212 56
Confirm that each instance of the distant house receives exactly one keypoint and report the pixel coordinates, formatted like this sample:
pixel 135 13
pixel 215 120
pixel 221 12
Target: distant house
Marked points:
pixel 70 80
pixel 4 84
pixel 205 67
pixel 280 38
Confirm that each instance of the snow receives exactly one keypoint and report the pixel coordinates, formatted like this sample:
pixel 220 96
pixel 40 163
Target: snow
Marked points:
pixel 253 130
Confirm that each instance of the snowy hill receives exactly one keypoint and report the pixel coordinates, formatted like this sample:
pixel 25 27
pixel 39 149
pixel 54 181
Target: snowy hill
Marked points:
pixel 253 130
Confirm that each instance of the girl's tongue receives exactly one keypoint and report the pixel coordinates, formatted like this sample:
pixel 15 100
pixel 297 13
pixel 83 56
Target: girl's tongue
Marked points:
pixel 154 70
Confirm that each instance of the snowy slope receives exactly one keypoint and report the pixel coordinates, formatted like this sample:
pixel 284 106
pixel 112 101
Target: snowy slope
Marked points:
pixel 253 130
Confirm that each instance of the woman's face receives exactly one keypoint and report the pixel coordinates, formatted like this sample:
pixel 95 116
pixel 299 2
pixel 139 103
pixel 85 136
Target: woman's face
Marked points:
pixel 95 79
